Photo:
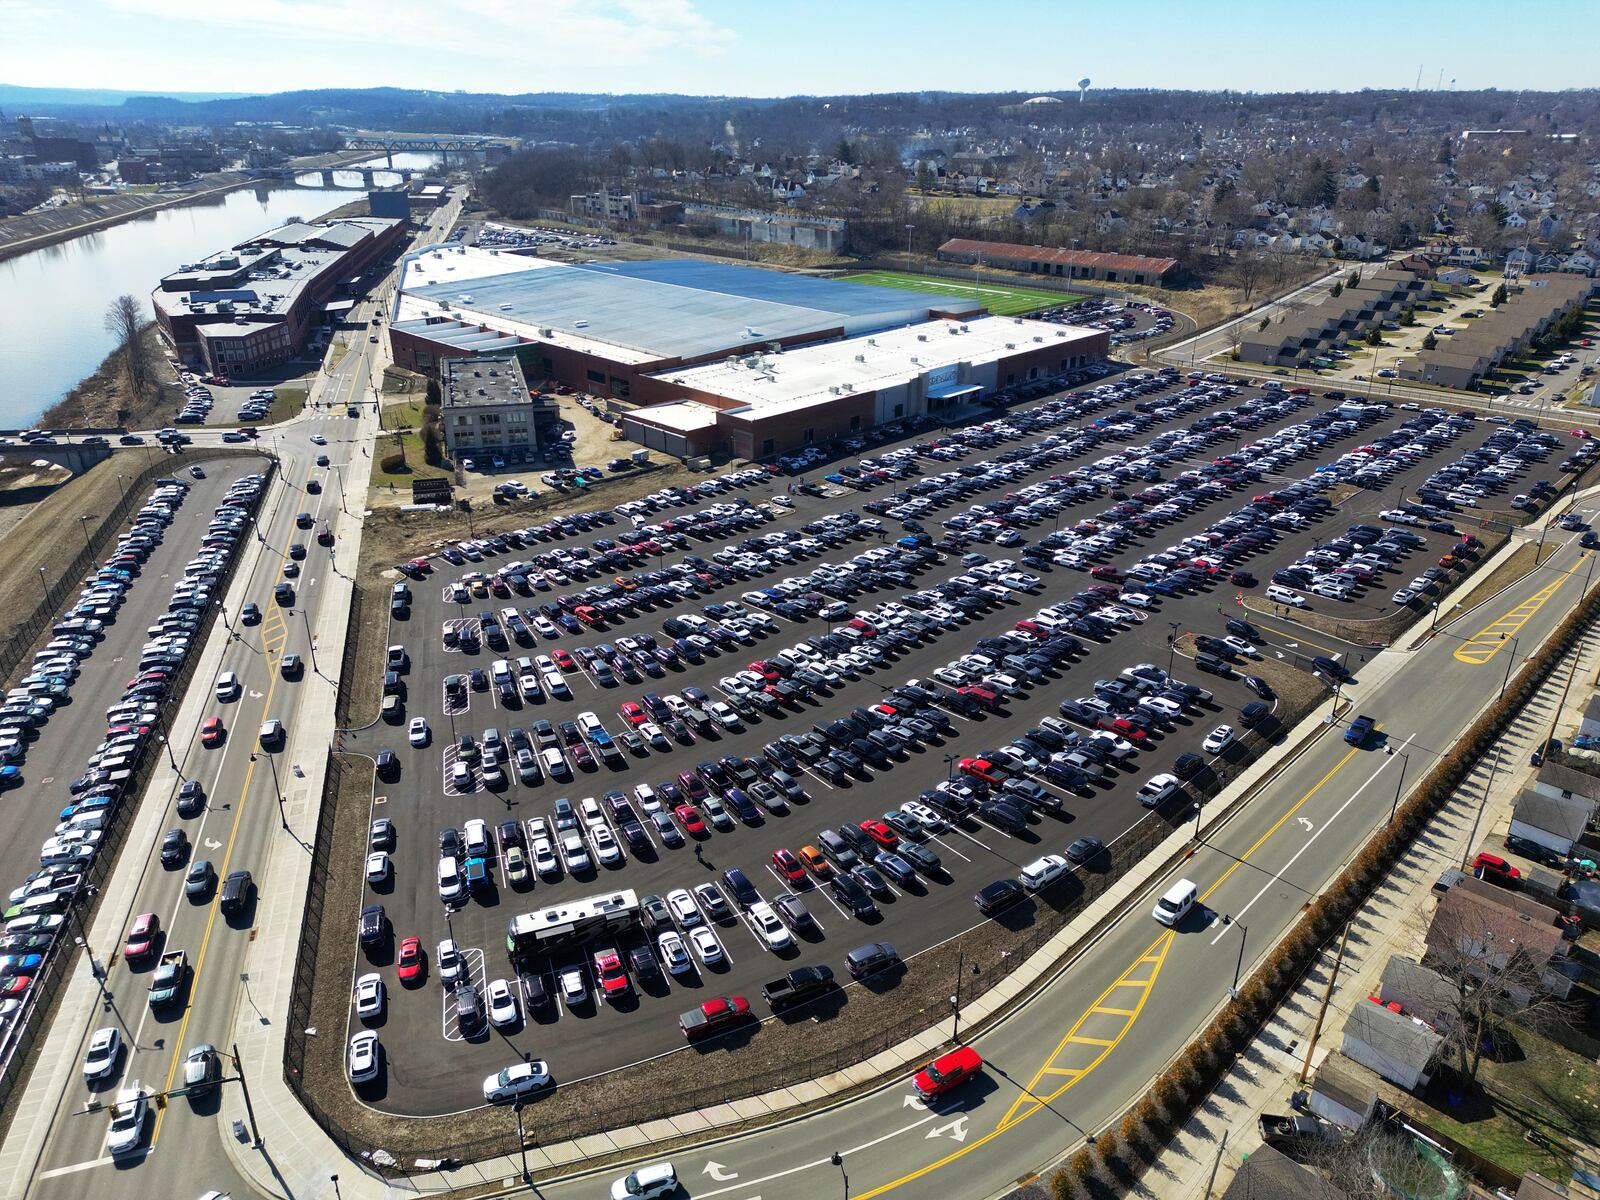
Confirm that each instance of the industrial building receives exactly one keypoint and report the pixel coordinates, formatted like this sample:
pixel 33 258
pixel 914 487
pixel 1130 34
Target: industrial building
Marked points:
pixel 252 306
pixel 1301 336
pixel 488 411
pixel 1462 360
pixel 705 357
pixel 1063 264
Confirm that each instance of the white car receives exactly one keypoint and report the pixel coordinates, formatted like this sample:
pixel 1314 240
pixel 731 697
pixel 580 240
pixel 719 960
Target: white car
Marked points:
pixel 574 987
pixel 1042 872
pixel 683 907
pixel 460 776
pixel 378 866
pixel 126 1132
pixel 773 931
pixel 648 800
pixel 370 998
pixel 674 953
pixel 1218 740
pixel 105 1048
pixel 605 846
pixel 364 1054
pixel 447 958
pixel 417 731
pixel 925 816
pixel 318 440
pixel 647 1183
pixel 725 716
pixel 574 854
pixel 227 686
pixel 452 887
pixel 517 1081
pixel 1156 790
pixel 502 1002
pixel 1137 599
pixel 544 858
pixel 706 946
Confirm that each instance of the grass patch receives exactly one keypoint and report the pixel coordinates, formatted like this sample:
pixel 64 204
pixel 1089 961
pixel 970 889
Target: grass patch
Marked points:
pixel 1000 299
pixel 291 398
pixel 405 420
pixel 1542 1086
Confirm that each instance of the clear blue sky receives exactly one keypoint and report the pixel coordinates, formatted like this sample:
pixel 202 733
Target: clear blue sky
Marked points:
pixel 763 48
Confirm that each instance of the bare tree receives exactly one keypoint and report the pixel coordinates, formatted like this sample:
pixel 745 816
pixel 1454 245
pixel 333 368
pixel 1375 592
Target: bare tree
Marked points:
pixel 1379 1162
pixel 1495 983
pixel 1248 268
pixel 124 320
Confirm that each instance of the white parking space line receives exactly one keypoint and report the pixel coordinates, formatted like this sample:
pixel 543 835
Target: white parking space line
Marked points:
pixel 935 837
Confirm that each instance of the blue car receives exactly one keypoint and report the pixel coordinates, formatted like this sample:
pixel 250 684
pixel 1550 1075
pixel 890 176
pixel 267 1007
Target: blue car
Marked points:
pixel 20 964
pixel 10 776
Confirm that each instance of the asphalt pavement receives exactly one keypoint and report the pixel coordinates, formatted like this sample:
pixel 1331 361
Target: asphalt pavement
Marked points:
pixel 437 1070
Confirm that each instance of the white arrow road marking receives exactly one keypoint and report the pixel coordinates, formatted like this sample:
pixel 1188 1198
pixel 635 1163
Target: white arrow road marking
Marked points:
pixel 1311 841
pixel 718 1172
pixel 1279 653
pixel 1292 645
pixel 213 844
pixel 910 1102
pixel 254 695
pixel 1308 825
pixel 956 1129
pixel 821 1162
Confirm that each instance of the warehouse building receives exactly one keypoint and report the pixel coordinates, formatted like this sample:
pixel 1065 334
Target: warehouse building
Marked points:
pixel 1063 264
pixel 760 405
pixel 604 328
pixel 488 411
pixel 1462 361
pixel 251 306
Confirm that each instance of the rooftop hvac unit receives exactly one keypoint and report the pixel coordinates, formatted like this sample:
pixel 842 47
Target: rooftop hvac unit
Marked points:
pixel 833 389
pixel 966 329
pixel 1011 345
pixel 922 337
pixel 848 387
pixel 861 358
pixel 1061 333
pixel 916 360
pixel 872 341
pixel 547 332
pixel 1017 320
pixel 1037 338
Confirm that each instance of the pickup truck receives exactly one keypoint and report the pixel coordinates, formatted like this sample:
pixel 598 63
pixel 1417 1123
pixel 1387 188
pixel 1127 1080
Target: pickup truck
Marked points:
pixel 798 986
pixel 713 1016
pixel 167 983
pixel 1360 730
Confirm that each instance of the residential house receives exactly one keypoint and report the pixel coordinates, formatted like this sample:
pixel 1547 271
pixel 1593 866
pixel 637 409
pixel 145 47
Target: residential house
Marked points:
pixel 1344 1092
pixel 1581 263
pixel 1457 277
pixel 1548 824
pixel 1514 220
pixel 1419 991
pixel 1484 931
pixel 1269 1174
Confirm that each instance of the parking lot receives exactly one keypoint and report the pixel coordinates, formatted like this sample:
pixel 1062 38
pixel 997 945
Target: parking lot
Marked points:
pixel 620 743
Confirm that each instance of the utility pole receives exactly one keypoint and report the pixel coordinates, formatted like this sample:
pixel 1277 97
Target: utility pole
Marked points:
pixel 1215 1163
pixel 1327 995
pixel 1405 761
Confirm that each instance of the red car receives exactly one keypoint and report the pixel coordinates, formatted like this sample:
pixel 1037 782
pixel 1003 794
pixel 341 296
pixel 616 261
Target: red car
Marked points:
pixel 581 757
pixel 16 985
pixel 410 960
pixel 765 671
pixel 1105 573
pixel 880 833
pixel 787 865
pixel 1496 870
pixel 212 733
pixel 142 936
pixel 563 659
pixel 612 974
pixel 632 713
pixel 1125 728
pixel 689 817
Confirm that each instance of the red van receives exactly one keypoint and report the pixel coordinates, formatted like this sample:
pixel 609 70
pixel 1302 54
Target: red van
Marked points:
pixel 945 1074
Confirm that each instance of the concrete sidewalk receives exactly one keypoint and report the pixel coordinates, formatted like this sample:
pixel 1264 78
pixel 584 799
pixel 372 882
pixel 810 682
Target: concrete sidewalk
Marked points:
pixel 1393 921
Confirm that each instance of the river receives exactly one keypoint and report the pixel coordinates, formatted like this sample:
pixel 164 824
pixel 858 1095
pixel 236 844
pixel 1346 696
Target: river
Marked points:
pixel 53 300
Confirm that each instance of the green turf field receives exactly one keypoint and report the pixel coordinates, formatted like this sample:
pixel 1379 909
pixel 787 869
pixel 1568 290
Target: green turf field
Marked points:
pixel 997 298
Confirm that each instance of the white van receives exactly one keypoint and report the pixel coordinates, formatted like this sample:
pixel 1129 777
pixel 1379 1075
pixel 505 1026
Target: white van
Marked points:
pixel 1282 595
pixel 227 686
pixel 1177 901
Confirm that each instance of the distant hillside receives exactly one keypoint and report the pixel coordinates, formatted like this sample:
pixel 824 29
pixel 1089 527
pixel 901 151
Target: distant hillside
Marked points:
pixel 18 100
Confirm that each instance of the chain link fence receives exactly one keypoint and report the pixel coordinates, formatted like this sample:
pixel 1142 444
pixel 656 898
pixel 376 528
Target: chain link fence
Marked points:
pixel 20 1041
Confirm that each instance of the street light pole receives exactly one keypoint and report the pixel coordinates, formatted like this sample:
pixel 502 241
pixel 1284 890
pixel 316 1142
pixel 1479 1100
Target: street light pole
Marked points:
pixel 84 529
pixel 1172 644
pixel 311 645
pixel 1238 966
pixel 837 1160
pixel 249 1109
pixel 955 998
pixel 45 586
pixel 1510 662
pixel 522 1141
pixel 276 790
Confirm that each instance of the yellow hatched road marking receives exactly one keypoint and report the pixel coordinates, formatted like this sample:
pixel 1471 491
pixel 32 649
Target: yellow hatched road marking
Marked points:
pixel 1488 641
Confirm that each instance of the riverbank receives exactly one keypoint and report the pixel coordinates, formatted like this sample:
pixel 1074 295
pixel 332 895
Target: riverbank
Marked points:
pixel 104 398
pixel 19 235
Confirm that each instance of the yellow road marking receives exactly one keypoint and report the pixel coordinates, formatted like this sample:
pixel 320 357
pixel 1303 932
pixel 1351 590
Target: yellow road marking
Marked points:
pixel 1487 642
pixel 1155 954
pixel 211 915
pixel 1080 1040
pixel 1116 1012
